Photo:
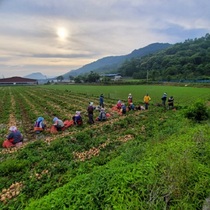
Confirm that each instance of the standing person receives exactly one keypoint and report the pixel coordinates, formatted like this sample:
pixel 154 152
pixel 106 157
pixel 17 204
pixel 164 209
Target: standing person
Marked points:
pixel 101 101
pixel 171 102
pixel 39 125
pixel 58 124
pixel 90 110
pixel 130 98
pixel 164 97
pixel 146 100
pixel 14 138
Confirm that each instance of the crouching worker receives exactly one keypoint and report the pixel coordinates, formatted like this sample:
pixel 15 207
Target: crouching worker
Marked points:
pixel 77 118
pixel 119 104
pixel 15 138
pixel 102 115
pixel 123 109
pixel 39 125
pixel 131 107
pixel 58 125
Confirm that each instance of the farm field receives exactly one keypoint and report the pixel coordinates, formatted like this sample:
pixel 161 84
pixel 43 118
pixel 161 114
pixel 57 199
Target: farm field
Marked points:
pixel 154 159
pixel 183 95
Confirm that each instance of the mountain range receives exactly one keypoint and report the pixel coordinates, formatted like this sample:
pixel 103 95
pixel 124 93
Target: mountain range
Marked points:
pixel 111 63
pixel 107 64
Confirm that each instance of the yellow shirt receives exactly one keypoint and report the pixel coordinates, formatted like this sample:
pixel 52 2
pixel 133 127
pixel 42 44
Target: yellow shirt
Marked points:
pixel 146 99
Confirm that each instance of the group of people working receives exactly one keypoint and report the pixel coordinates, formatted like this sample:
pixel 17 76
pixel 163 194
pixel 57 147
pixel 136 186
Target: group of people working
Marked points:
pixel 122 106
pixel 15 137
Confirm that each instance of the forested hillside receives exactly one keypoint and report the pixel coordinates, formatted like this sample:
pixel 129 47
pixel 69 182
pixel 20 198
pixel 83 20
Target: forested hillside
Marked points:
pixel 111 63
pixel 187 60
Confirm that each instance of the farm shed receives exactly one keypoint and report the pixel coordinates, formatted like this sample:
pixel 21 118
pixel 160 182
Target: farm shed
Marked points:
pixel 18 81
pixel 114 77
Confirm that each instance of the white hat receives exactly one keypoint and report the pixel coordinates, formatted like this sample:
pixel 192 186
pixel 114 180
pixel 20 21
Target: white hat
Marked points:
pixel 78 112
pixel 129 94
pixel 13 128
pixel 91 103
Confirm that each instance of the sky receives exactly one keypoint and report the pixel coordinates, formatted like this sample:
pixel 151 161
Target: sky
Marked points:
pixel 54 37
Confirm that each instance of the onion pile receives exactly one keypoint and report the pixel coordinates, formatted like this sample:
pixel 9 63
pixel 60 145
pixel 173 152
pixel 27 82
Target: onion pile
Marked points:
pixel 11 192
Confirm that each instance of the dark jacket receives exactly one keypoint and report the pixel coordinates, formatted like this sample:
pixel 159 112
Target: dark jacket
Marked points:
pixel 77 119
pixel 90 109
pixel 15 136
pixel 101 100
pixel 164 98
pixel 40 124
pixel 171 101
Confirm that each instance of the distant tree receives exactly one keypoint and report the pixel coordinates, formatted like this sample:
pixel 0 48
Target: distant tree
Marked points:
pixel 105 80
pixel 154 75
pixel 93 77
pixel 168 78
pixel 78 79
pixel 60 78
pixel 71 78
pixel 140 75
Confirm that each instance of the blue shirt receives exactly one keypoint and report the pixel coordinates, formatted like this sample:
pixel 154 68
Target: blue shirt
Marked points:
pixel 16 135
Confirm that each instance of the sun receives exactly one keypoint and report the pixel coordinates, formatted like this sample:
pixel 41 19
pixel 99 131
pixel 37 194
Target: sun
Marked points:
pixel 62 33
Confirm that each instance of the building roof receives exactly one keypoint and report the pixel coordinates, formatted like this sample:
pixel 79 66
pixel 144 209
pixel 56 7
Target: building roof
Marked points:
pixel 111 75
pixel 17 80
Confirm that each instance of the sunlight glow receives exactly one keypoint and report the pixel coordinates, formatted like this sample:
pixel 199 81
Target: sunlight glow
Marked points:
pixel 62 33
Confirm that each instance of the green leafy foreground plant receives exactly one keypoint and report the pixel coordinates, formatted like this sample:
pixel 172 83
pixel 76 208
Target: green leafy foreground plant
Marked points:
pixel 197 111
pixel 166 175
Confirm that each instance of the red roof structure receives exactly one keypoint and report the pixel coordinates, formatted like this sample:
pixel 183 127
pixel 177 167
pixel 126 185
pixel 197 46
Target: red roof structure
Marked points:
pixel 18 81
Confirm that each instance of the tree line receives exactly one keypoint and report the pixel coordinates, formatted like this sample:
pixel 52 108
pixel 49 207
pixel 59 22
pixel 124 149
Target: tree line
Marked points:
pixel 187 60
